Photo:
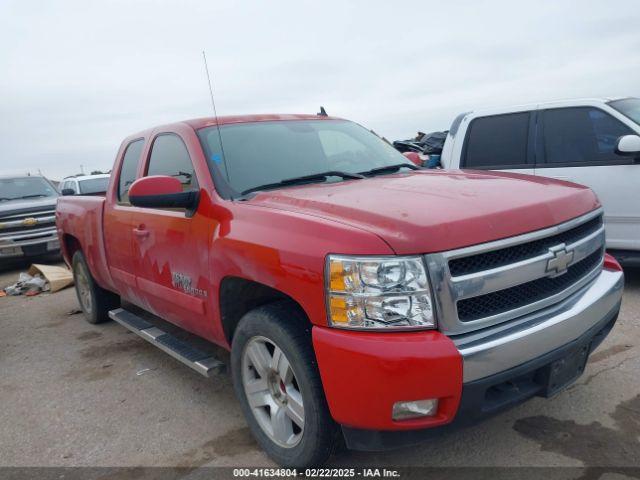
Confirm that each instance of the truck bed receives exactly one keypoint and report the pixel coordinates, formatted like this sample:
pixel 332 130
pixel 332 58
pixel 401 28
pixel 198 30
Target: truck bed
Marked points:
pixel 79 222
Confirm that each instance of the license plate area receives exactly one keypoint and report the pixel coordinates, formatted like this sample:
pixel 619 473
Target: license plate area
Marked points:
pixel 564 371
pixel 38 249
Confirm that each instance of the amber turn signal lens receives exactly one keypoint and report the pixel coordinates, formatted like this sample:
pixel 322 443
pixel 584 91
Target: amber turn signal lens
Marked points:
pixel 338 310
pixel 337 277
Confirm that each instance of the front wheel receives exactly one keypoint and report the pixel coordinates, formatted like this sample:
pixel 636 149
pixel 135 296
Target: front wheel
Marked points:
pixel 278 384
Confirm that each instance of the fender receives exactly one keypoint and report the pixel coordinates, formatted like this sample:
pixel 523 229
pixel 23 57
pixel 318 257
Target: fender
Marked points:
pixel 285 251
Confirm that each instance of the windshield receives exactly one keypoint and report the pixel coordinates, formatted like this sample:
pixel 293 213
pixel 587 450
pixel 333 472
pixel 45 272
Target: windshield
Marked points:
pixel 94 185
pixel 629 107
pixel 25 187
pixel 264 153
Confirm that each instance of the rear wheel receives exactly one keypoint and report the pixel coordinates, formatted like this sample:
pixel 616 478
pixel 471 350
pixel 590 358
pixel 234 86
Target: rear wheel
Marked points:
pixel 96 302
pixel 278 384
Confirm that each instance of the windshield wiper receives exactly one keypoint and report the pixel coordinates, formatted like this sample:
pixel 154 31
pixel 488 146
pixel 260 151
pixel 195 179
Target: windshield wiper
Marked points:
pixel 35 195
pixel 7 199
pixel 389 169
pixel 303 180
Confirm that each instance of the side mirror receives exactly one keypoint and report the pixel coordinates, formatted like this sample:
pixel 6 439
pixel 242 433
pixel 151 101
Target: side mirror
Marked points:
pixel 68 191
pixel 628 146
pixel 161 191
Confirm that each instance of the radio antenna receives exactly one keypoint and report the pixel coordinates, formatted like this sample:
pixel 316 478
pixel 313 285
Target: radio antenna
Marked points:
pixel 215 113
pixel 213 102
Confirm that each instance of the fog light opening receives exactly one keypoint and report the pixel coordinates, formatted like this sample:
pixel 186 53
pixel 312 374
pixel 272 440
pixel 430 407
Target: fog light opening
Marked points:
pixel 415 409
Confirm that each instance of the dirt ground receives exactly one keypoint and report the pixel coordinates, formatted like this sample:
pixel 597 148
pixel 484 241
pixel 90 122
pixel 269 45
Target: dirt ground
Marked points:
pixel 75 394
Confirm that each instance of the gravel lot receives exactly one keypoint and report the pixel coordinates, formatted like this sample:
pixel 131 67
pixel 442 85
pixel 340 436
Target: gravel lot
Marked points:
pixel 74 394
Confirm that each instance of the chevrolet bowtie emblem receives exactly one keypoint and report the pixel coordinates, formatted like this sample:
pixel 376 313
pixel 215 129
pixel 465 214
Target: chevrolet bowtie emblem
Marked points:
pixel 562 258
pixel 30 222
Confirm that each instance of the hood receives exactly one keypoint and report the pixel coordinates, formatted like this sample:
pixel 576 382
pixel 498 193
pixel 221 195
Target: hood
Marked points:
pixel 436 210
pixel 27 205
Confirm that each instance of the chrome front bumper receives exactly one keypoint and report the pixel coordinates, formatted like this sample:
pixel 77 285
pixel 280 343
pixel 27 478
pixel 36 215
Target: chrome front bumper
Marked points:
pixel 489 351
pixel 11 246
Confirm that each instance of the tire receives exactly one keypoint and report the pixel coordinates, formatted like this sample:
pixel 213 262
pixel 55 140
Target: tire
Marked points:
pixel 95 302
pixel 283 391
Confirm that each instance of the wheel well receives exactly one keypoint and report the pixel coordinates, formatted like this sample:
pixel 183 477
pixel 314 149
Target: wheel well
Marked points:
pixel 238 296
pixel 71 246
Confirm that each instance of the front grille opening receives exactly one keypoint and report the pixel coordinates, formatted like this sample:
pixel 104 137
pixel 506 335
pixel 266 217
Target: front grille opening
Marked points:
pixel 511 298
pixel 517 253
pixel 25 229
pixel 32 212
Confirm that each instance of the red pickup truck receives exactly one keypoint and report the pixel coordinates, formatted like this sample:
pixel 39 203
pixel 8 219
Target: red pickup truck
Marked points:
pixel 360 296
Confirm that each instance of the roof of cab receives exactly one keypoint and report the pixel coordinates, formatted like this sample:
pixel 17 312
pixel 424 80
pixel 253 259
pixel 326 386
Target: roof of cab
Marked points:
pixel 198 123
pixel 561 103
pixel 87 177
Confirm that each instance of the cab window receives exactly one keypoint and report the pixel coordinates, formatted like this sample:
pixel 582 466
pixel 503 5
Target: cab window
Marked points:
pixel 497 142
pixel 129 169
pixel 169 156
pixel 581 135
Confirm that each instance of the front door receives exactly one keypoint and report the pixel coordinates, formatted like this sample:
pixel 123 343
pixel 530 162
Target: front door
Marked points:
pixel 171 248
pixel 578 145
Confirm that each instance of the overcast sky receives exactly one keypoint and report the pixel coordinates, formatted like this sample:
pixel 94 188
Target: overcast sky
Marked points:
pixel 78 76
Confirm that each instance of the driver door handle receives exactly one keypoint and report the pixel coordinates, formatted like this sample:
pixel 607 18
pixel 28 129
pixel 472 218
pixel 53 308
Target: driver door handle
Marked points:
pixel 141 231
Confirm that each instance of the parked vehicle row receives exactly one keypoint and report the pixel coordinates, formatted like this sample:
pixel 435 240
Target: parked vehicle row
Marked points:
pixel 27 211
pixel 594 142
pixel 360 296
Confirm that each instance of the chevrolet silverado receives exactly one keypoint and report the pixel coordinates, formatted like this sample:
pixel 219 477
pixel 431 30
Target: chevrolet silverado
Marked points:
pixel 362 299
pixel 27 218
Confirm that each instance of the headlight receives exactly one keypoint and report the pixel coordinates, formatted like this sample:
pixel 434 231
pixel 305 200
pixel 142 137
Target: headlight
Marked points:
pixel 378 293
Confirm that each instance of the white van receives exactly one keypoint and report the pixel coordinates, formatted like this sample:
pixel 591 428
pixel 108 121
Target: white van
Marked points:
pixel 595 142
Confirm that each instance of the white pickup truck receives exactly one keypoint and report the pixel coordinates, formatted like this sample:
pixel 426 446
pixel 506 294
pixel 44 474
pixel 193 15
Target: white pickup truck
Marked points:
pixel 594 142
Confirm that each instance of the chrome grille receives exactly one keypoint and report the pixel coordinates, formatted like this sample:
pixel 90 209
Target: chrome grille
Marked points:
pixel 517 253
pixel 510 298
pixel 27 222
pixel 484 285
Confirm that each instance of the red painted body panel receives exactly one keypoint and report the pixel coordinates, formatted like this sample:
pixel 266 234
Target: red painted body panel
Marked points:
pixel 281 239
pixel 610 263
pixel 286 251
pixel 365 373
pixel 432 210
pixel 81 218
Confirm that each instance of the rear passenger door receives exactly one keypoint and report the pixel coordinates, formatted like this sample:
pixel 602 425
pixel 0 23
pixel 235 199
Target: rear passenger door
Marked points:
pixel 171 249
pixel 500 142
pixel 578 144
pixel 118 223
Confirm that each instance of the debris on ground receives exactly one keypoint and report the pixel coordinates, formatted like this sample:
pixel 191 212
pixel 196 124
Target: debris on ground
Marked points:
pixel 57 277
pixel 38 279
pixel 27 284
pixel 75 311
